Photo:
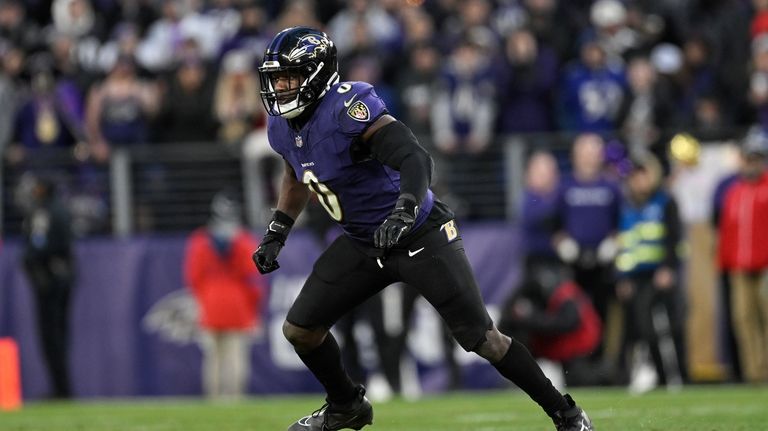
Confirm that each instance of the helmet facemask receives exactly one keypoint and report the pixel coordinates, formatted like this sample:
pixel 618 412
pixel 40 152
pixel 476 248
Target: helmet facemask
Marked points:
pixel 287 91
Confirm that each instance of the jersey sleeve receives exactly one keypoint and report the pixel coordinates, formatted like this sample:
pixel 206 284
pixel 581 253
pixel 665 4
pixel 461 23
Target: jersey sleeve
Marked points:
pixel 358 108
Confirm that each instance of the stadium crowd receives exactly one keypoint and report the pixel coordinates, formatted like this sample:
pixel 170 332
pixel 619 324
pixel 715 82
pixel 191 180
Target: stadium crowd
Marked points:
pixel 95 76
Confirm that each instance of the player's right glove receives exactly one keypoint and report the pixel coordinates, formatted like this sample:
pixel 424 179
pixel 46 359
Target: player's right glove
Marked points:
pixel 396 224
pixel 265 257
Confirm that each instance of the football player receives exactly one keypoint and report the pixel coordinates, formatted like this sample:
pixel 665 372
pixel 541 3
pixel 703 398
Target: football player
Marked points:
pixel 372 176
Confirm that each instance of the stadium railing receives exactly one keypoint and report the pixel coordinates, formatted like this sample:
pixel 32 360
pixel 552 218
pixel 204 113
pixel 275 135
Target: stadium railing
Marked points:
pixel 168 187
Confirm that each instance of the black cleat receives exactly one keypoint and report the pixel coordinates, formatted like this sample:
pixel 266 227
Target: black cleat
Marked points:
pixel 331 417
pixel 572 419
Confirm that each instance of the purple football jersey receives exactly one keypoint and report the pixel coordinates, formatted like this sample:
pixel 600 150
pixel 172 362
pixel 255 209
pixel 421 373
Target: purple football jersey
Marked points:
pixel 357 191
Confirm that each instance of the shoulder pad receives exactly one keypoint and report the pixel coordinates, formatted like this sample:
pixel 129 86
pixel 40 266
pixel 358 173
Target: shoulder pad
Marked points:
pixel 356 106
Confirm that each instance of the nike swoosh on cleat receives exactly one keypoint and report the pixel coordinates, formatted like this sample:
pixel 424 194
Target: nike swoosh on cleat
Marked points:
pixel 349 102
pixel 415 252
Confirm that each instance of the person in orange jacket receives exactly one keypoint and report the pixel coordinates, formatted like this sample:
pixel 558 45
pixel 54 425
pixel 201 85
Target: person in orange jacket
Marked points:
pixel 229 291
pixel 743 252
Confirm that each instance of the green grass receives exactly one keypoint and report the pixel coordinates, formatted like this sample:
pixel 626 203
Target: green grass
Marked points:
pixel 706 408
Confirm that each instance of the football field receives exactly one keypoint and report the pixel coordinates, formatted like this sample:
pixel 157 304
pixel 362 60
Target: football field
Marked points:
pixel 703 408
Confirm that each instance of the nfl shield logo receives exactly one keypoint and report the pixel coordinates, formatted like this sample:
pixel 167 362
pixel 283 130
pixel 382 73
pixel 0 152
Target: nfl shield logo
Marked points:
pixel 299 141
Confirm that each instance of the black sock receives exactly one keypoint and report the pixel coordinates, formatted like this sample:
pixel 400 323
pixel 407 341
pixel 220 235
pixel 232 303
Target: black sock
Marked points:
pixel 518 366
pixel 325 363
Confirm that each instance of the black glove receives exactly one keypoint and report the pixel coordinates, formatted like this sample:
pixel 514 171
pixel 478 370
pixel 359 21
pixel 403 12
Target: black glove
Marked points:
pixel 396 224
pixel 265 257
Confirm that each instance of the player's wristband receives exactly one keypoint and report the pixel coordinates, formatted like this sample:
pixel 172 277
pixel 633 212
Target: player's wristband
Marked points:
pixel 406 204
pixel 279 227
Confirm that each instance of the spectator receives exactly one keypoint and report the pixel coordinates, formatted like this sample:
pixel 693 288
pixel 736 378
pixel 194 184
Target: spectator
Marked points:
pixel 710 121
pixel 250 35
pixel 529 78
pixel 464 107
pixel 647 112
pixel 468 16
pixel 609 18
pixel 296 13
pixel 418 27
pixel 552 25
pixel 225 21
pixel 12 93
pixel 229 291
pixel 66 64
pixel 208 27
pixel 119 109
pixel 15 30
pixel 668 61
pixel 51 118
pixel 50 268
pixel 758 88
pixel 157 50
pixel 77 21
pixel 124 43
pixel 730 344
pixel 141 13
pixel 592 91
pixel 648 24
pixel 558 321
pixel 759 23
pixel 463 114
pixel 725 24
pixel 73 18
pixel 650 233
pixel 416 86
pixel 588 211
pixel 186 114
pixel 361 47
pixel 742 252
pixel 539 210
pixel 698 75
pixel 384 30
pixel 237 105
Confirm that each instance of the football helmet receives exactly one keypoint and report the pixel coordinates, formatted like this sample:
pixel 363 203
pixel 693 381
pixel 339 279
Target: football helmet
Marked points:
pixel 299 66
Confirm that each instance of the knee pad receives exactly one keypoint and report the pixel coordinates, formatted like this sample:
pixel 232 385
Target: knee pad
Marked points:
pixel 299 336
pixel 470 338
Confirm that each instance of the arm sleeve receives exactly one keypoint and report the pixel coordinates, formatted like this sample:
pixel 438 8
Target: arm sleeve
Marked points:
pixel 395 146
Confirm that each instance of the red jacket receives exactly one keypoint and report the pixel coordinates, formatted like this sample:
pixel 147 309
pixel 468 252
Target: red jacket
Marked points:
pixel 744 226
pixel 228 287
pixel 579 342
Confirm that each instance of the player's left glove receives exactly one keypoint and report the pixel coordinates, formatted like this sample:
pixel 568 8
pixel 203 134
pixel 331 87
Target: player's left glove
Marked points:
pixel 396 224
pixel 265 257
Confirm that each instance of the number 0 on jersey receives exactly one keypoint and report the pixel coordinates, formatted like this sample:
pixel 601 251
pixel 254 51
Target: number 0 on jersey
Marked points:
pixel 325 195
